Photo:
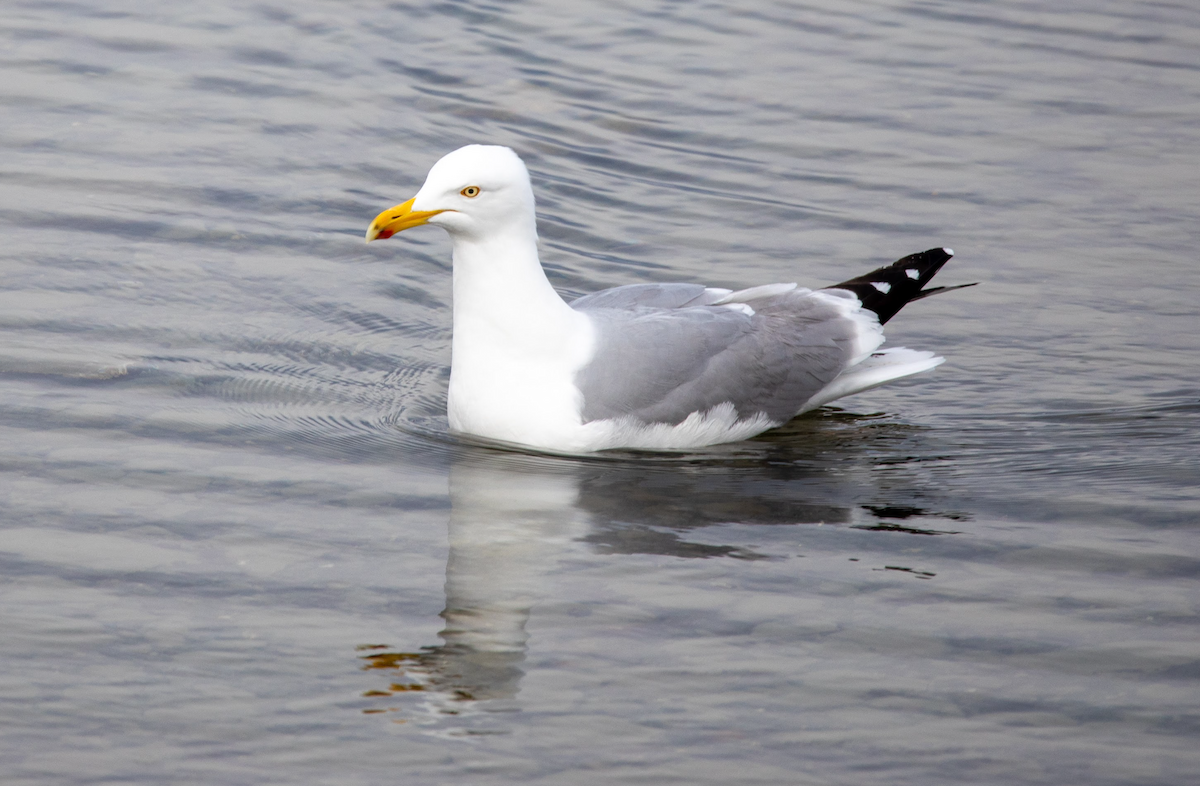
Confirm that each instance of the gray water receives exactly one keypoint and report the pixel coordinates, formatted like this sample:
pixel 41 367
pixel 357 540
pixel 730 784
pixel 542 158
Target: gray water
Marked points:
pixel 239 546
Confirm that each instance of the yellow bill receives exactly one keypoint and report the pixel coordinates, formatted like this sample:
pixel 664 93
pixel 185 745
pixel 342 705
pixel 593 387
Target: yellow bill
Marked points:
pixel 397 219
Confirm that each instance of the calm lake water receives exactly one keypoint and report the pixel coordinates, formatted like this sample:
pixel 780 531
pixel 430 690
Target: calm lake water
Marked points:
pixel 238 545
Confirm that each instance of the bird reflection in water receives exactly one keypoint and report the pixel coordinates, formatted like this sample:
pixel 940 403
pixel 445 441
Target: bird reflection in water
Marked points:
pixel 508 528
pixel 515 517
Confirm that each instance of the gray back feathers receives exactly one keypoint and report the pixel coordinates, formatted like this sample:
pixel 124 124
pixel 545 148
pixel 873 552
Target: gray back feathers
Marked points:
pixel 662 353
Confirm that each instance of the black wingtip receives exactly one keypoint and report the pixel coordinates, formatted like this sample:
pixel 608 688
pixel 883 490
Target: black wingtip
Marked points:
pixel 940 290
pixel 889 289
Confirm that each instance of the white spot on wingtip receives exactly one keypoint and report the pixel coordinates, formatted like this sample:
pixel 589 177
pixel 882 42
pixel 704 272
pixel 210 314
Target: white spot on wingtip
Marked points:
pixel 912 273
pixel 949 251
pixel 882 286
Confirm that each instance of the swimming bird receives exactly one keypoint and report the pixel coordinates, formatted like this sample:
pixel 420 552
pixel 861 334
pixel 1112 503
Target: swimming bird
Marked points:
pixel 652 366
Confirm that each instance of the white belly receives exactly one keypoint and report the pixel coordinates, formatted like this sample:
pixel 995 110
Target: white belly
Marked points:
pixel 519 402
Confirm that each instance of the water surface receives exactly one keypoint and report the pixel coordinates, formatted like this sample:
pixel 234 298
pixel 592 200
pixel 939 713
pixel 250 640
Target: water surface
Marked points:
pixel 238 544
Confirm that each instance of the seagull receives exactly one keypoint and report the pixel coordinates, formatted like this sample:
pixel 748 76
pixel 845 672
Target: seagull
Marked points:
pixel 669 366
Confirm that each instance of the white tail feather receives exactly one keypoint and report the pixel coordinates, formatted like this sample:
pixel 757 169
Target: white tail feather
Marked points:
pixel 876 369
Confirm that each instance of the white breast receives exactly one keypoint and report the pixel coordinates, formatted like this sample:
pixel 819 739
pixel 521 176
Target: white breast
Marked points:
pixel 519 391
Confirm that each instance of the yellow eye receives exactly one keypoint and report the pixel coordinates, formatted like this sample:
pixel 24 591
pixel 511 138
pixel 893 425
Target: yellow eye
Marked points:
pixel 470 192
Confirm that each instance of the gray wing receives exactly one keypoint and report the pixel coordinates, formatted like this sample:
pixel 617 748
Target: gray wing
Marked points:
pixel 659 365
pixel 633 296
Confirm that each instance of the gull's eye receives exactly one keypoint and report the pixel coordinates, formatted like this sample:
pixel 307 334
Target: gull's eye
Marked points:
pixel 470 192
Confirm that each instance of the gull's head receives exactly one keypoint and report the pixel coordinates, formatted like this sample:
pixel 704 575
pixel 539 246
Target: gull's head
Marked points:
pixel 474 191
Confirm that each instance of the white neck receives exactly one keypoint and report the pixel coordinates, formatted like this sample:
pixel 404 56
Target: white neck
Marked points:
pixel 517 344
pixel 501 290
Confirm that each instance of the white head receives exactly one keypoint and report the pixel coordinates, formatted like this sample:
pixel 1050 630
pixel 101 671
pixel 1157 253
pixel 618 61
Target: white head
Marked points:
pixel 475 191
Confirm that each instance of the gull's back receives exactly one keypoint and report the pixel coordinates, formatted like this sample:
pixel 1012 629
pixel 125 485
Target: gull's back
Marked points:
pixel 666 351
